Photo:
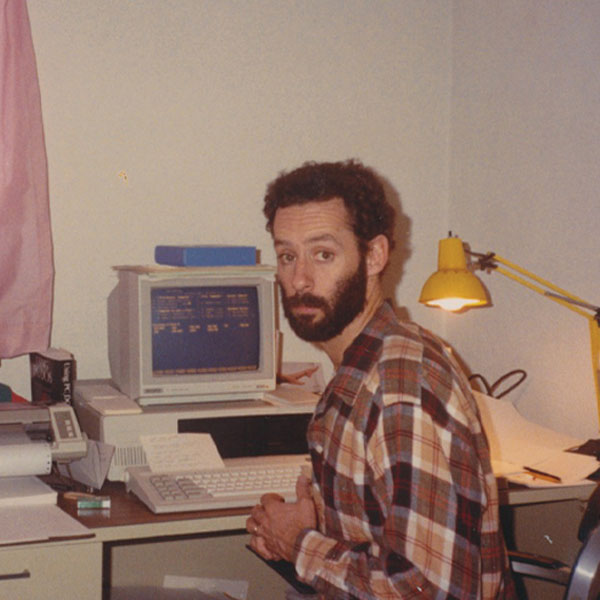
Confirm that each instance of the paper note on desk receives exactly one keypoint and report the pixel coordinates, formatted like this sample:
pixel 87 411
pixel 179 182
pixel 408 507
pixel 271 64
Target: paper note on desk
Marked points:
pixel 167 453
pixel 516 443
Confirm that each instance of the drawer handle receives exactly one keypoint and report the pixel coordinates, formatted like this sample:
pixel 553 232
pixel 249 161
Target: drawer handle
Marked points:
pixel 25 574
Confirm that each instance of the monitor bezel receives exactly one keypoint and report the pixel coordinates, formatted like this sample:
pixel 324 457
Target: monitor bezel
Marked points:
pixel 134 375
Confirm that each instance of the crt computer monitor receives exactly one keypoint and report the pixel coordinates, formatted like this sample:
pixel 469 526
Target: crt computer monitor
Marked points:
pixel 192 334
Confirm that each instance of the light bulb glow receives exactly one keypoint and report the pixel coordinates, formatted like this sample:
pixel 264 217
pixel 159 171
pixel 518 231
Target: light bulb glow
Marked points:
pixel 454 304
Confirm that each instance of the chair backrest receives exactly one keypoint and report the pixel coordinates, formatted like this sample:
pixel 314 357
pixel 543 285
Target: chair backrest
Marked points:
pixel 582 580
pixel 584 583
pixel 591 516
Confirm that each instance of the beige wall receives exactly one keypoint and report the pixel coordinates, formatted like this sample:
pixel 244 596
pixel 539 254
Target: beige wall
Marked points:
pixel 200 103
pixel 165 119
pixel 525 183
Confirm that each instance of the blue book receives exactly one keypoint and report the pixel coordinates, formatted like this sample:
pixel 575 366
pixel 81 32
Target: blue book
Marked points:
pixel 205 256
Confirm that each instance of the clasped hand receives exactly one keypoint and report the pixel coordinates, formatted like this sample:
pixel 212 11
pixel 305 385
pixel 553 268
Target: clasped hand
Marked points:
pixel 275 524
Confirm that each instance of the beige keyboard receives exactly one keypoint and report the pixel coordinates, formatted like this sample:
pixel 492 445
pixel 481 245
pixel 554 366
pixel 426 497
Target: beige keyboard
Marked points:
pixel 229 487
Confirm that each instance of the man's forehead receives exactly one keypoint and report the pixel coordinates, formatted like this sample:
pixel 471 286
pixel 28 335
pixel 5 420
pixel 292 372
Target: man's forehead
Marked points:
pixel 321 217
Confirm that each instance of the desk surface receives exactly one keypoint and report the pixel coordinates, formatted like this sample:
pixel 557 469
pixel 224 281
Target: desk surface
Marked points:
pixel 128 518
pixel 109 556
pixel 510 494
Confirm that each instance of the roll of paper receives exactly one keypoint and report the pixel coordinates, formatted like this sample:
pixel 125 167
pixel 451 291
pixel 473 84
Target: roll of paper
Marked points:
pixel 34 458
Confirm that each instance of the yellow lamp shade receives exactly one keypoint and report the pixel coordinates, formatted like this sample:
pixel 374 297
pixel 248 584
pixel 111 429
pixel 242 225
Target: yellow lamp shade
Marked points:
pixel 453 286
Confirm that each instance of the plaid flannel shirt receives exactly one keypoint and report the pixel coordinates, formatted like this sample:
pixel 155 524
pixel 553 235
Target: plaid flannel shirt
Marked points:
pixel 406 499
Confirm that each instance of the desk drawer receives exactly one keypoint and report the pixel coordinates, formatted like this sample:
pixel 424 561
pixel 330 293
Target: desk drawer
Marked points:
pixel 55 570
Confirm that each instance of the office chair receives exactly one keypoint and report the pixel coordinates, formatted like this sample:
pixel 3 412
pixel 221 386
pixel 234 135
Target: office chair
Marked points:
pixel 582 580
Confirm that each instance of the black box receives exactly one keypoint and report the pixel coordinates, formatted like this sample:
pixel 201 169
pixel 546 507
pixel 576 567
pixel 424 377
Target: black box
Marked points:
pixel 52 376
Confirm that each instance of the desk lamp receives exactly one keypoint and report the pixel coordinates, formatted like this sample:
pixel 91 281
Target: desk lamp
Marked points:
pixel 454 286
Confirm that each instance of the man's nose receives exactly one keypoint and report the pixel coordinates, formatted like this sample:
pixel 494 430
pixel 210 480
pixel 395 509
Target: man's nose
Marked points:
pixel 302 280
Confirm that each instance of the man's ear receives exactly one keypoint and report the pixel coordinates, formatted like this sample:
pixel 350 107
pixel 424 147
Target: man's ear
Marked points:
pixel 378 252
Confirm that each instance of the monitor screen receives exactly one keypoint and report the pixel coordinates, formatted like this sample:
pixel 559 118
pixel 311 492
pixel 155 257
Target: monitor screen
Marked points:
pixel 192 334
pixel 204 329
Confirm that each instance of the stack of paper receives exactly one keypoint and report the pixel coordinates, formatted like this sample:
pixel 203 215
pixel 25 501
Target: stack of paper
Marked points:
pixel 28 513
pixel 520 448
pixel 19 491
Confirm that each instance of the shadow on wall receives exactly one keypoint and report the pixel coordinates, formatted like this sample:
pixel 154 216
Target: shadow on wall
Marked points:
pixel 402 251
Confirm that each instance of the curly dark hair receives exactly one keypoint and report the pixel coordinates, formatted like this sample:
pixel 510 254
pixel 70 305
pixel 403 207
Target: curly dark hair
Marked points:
pixel 358 186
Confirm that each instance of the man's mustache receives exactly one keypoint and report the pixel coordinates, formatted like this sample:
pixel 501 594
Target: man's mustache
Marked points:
pixel 307 300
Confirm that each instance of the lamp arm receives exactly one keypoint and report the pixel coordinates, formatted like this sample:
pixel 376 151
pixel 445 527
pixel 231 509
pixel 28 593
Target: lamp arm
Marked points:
pixel 559 295
pixel 596 309
pixel 541 286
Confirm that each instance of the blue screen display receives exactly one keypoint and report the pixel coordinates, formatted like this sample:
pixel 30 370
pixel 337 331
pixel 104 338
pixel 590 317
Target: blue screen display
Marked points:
pixel 199 330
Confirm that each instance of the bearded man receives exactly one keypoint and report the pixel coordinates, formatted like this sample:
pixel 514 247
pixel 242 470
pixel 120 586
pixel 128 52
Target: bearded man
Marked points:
pixel 402 501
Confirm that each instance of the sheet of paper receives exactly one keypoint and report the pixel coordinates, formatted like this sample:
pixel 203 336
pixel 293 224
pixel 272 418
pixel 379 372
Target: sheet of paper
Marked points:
pixel 516 443
pixel 291 395
pixel 167 453
pixel 217 589
pixel 35 523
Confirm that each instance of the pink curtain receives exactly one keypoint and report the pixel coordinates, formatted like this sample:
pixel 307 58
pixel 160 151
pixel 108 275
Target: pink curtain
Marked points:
pixel 26 265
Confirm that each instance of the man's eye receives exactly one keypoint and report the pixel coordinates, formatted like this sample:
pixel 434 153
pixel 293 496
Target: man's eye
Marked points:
pixel 325 255
pixel 285 258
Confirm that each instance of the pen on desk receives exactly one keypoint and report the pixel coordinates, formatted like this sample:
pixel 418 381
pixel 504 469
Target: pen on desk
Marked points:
pixel 537 474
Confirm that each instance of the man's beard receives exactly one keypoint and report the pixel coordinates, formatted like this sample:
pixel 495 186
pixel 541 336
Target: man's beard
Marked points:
pixel 347 302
